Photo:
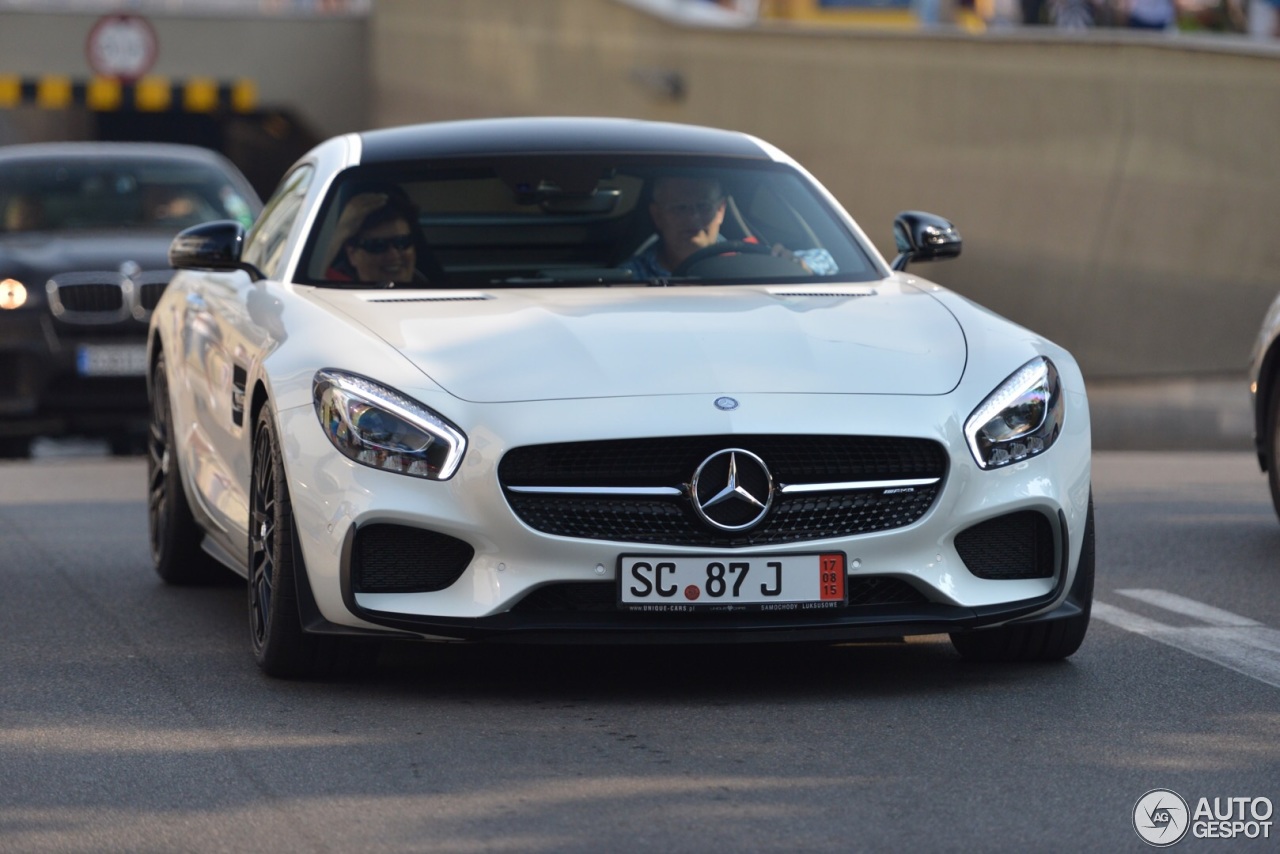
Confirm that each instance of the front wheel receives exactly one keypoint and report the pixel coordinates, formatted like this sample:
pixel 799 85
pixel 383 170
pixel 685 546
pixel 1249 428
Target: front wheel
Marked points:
pixel 281 646
pixel 1048 640
pixel 1273 445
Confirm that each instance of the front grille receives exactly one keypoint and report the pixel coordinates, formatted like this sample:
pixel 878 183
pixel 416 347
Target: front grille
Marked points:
pixel 656 521
pixel 1017 545
pixel 91 298
pixel 671 462
pixel 149 294
pixel 601 596
pixel 664 461
pixel 399 559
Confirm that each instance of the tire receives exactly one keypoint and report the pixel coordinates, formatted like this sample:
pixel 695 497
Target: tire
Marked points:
pixel 1273 445
pixel 15 449
pixel 281 647
pixel 1048 640
pixel 175 536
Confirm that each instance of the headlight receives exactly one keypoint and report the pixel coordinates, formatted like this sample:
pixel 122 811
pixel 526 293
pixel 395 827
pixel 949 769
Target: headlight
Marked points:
pixel 13 294
pixel 383 429
pixel 1018 420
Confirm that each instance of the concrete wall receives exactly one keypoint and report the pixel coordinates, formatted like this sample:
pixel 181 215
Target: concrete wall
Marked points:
pixel 1115 193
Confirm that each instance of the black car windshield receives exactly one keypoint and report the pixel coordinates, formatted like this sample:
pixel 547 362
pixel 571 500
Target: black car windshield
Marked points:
pixel 584 220
pixel 64 194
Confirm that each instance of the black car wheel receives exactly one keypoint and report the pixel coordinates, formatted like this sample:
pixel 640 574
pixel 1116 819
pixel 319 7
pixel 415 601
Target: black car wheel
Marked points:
pixel 175 536
pixel 15 449
pixel 1273 445
pixel 281 646
pixel 1049 640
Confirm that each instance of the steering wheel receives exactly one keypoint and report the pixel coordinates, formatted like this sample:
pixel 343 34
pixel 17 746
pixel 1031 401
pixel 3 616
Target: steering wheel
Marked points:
pixel 715 250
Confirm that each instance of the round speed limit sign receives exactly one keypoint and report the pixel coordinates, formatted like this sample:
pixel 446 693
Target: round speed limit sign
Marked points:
pixel 122 46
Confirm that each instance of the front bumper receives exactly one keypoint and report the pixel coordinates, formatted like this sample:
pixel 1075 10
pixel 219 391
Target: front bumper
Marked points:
pixel 334 498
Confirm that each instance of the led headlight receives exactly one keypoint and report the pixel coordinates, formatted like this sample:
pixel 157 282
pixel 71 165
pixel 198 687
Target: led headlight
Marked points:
pixel 383 429
pixel 1018 420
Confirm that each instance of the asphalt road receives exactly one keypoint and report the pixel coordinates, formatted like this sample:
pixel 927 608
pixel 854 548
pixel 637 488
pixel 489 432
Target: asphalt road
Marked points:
pixel 133 719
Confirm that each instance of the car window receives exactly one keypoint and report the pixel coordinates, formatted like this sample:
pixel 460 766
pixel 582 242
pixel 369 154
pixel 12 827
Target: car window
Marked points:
pixel 60 194
pixel 265 245
pixel 554 220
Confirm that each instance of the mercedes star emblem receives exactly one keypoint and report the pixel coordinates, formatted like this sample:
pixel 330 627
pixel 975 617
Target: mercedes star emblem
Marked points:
pixel 732 490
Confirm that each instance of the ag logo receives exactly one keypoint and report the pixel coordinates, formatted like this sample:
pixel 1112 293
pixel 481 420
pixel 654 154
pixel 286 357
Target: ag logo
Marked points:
pixel 1160 817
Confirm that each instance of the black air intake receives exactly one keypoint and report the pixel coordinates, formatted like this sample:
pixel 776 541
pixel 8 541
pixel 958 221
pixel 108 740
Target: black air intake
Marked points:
pixel 1018 545
pixel 399 559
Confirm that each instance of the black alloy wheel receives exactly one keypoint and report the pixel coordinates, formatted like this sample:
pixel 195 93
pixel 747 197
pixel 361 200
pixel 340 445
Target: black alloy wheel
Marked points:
pixel 281 646
pixel 175 535
pixel 1273 445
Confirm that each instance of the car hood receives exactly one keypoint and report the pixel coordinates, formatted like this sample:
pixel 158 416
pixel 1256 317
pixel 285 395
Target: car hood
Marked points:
pixel 509 345
pixel 66 252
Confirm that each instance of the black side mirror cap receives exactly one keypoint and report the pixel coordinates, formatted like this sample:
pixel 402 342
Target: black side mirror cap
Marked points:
pixel 211 246
pixel 922 236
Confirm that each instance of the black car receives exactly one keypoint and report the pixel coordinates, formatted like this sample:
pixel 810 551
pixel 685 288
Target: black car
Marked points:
pixel 84 239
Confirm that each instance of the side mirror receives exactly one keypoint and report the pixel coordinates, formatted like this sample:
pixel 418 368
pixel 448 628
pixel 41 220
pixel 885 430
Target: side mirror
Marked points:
pixel 923 236
pixel 211 246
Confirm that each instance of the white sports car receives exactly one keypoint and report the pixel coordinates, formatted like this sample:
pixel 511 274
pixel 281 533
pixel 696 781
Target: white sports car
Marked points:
pixel 603 380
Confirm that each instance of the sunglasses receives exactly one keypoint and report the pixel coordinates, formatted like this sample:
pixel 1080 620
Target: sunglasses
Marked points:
pixel 378 245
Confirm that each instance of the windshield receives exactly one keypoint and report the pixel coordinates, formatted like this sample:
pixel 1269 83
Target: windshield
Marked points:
pixel 553 220
pixel 114 193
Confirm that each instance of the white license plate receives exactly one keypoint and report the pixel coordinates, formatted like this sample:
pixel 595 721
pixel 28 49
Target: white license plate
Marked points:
pixel 111 360
pixel 722 582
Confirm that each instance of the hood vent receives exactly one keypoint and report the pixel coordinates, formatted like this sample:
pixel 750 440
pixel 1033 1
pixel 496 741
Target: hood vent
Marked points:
pixel 852 292
pixel 472 297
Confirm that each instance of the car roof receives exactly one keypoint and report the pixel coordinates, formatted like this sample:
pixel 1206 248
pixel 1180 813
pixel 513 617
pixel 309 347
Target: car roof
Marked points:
pixel 507 136
pixel 100 150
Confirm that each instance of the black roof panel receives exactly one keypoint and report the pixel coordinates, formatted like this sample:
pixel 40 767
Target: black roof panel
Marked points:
pixel 552 136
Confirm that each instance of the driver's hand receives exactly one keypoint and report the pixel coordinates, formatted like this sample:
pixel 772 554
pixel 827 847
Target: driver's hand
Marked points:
pixel 783 252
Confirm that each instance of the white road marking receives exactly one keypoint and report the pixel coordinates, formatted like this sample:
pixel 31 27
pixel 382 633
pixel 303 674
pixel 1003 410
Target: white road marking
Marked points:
pixel 1189 607
pixel 1239 643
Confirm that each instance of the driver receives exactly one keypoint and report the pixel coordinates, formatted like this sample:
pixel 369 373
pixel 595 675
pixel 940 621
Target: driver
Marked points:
pixel 688 213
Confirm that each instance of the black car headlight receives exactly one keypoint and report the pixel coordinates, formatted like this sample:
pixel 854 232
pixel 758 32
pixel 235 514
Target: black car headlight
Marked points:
pixel 383 429
pixel 1020 419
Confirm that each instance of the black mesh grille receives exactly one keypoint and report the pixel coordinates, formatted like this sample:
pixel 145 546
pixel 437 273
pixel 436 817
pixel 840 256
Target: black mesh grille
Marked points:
pixel 600 596
pixel 1019 545
pixel 397 559
pixel 670 522
pixel 150 293
pixel 671 462
pixel 91 297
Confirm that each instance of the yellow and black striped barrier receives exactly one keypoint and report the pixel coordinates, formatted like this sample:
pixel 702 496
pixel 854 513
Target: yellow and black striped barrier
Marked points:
pixel 147 95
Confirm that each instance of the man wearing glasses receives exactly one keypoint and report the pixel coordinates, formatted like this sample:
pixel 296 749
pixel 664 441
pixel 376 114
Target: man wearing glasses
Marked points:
pixel 688 213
